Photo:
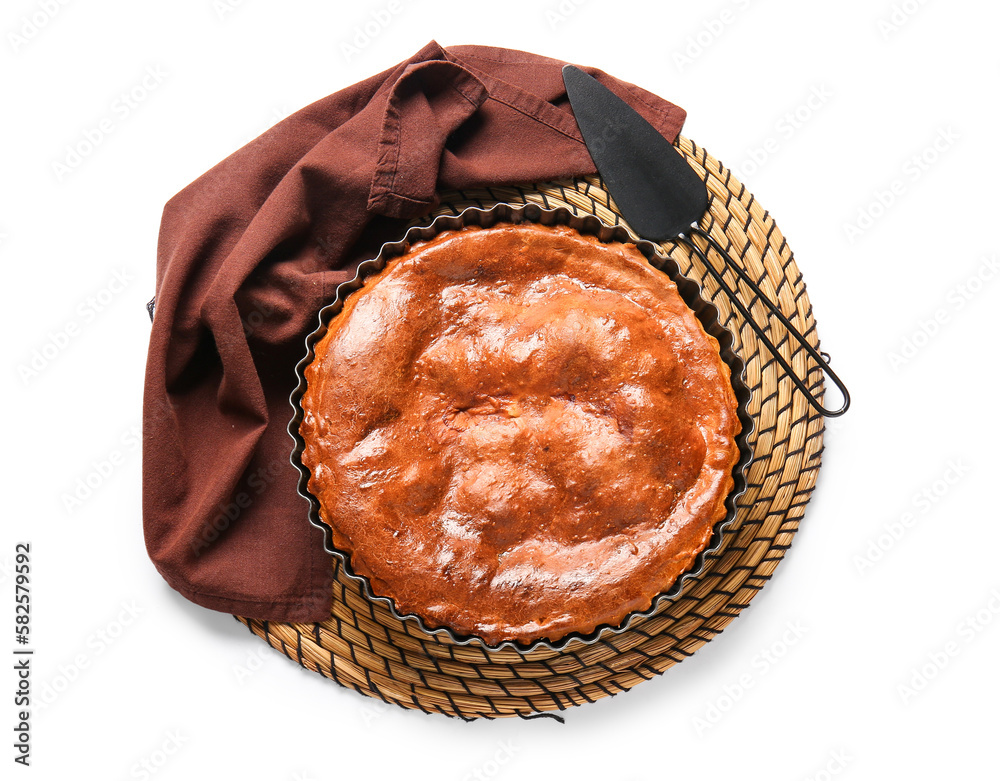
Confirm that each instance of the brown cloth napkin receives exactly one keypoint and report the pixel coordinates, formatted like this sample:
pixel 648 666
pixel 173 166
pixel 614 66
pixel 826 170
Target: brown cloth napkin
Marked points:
pixel 250 251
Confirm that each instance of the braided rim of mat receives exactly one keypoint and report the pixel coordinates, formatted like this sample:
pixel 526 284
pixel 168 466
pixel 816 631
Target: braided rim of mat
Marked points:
pixel 362 647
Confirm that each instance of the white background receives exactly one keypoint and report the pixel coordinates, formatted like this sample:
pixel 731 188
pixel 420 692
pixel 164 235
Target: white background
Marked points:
pixel 140 675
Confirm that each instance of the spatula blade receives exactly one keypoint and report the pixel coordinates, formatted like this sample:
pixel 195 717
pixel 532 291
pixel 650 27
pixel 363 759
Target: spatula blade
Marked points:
pixel 655 189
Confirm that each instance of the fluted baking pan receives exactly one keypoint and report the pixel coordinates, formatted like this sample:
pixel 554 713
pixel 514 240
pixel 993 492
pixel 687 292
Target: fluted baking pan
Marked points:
pixel 689 291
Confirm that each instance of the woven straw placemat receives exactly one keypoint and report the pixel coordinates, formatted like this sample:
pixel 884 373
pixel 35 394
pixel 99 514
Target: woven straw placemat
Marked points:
pixel 361 646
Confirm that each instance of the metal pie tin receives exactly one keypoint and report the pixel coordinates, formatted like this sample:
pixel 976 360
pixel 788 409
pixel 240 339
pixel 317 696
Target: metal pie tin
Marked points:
pixel 690 292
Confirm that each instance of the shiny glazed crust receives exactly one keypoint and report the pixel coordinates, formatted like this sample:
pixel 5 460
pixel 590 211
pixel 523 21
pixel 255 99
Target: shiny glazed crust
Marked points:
pixel 519 432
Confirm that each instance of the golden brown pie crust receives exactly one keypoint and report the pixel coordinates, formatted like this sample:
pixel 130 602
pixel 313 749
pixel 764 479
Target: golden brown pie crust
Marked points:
pixel 519 432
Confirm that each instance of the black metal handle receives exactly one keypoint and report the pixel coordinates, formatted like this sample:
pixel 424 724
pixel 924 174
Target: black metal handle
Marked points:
pixel 822 361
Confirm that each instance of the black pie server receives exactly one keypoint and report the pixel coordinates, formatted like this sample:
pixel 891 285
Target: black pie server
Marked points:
pixel 663 199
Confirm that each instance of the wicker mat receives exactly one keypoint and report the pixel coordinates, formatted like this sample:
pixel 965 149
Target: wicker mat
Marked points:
pixel 362 647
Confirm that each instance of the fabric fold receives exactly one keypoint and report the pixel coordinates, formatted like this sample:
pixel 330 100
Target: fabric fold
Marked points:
pixel 427 104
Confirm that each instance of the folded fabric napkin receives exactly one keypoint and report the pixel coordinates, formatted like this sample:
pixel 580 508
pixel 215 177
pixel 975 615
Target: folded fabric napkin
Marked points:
pixel 250 251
